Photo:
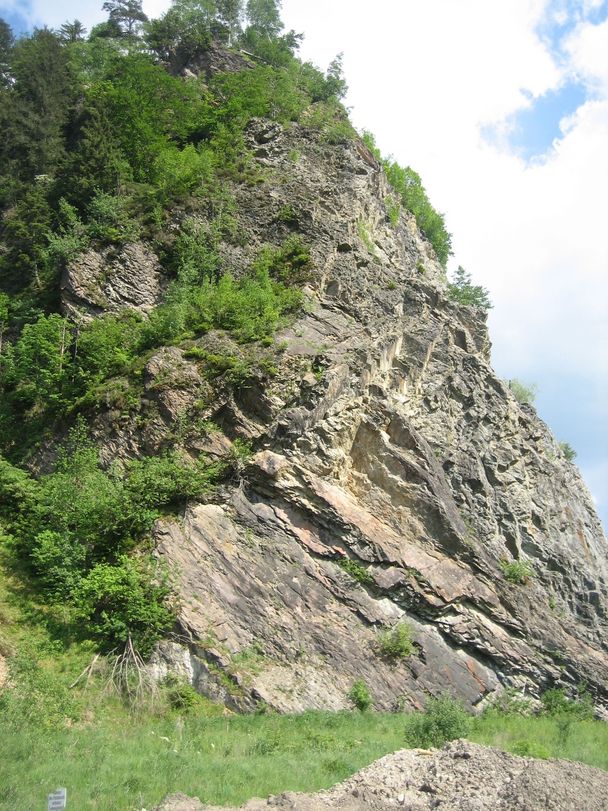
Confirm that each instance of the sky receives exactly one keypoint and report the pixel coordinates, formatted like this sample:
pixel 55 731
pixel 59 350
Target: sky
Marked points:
pixel 502 107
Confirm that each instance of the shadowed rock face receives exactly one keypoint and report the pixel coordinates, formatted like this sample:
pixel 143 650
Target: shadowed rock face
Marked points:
pixel 384 438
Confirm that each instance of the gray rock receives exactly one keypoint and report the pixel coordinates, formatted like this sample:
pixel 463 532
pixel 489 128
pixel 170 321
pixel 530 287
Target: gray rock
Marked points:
pixel 111 281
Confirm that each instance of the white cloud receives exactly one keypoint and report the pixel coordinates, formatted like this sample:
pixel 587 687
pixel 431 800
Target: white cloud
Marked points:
pixel 587 48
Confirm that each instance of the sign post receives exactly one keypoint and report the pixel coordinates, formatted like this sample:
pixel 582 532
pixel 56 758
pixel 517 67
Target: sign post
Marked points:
pixel 58 800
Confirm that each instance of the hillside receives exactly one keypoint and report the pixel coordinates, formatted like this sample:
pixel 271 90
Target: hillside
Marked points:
pixel 251 436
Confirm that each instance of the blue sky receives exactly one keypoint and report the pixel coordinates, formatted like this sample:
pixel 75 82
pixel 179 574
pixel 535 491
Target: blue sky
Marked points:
pixel 17 21
pixel 502 107
pixel 531 131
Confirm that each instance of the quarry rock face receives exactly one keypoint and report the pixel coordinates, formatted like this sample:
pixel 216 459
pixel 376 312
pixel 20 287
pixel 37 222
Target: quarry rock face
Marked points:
pixel 393 477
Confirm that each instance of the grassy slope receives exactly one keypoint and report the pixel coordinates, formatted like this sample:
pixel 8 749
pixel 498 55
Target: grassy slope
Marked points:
pixel 129 762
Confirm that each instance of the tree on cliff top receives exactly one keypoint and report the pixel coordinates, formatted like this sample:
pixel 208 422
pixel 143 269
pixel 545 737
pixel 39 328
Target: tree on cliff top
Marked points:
pixel 128 15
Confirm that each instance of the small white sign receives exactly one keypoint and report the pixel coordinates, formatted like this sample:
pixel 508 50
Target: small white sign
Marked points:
pixel 58 799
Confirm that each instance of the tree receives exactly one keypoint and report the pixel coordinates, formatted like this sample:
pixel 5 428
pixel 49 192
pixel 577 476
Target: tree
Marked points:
pixel 7 41
pixel 128 15
pixel 42 95
pixel 106 30
pixel 4 302
pixel 335 77
pixel 264 17
pixel 41 361
pixel 24 231
pixel 183 31
pixel 95 162
pixel 72 31
pixel 229 15
pixel 462 290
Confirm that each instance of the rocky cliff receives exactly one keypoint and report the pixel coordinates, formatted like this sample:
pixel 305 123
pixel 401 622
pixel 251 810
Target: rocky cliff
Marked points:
pixel 392 473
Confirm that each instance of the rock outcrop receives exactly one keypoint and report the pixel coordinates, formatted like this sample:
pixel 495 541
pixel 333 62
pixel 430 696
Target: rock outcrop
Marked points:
pixel 392 473
pixel 111 281
pixel 462 776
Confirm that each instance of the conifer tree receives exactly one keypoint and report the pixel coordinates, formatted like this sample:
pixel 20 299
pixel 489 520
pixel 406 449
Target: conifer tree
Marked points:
pixel 7 40
pixel 72 31
pixel 42 94
pixel 128 15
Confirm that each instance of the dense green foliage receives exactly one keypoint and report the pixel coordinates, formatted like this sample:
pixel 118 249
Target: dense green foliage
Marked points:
pixel 360 696
pixel 408 186
pixel 444 720
pixel 72 530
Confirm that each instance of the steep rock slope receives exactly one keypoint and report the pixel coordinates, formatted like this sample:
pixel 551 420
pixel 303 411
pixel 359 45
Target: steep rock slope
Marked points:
pixel 381 437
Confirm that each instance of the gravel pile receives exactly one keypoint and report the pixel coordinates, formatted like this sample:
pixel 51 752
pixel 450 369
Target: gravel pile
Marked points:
pixel 462 776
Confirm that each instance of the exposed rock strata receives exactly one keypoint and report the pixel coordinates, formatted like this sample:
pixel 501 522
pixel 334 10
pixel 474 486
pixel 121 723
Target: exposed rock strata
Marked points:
pixel 384 437
pixel 460 777
pixel 110 281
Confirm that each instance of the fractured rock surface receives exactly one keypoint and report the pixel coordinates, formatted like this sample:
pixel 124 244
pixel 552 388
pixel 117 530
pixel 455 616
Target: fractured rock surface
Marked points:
pixel 392 473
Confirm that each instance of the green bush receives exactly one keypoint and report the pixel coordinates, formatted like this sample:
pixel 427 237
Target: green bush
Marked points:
pixel 444 719
pixel 75 526
pixel 556 702
pixel 510 702
pixel 110 220
pixel 396 642
pixel 359 695
pixel 393 209
pixel 523 394
pixel 291 263
pixel 125 601
pixel 518 572
pixel 180 694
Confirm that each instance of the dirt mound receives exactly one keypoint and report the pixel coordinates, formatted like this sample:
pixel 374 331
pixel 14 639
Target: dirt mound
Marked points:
pixel 462 776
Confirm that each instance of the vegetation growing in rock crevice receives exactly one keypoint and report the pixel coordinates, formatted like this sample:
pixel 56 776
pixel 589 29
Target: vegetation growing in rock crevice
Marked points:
pixel 518 572
pixel 408 186
pixel 523 393
pixel 462 290
pixel 396 642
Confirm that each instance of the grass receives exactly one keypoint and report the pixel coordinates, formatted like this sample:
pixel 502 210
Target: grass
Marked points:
pixel 586 741
pixel 123 762
pixel 132 763
pixel 113 759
